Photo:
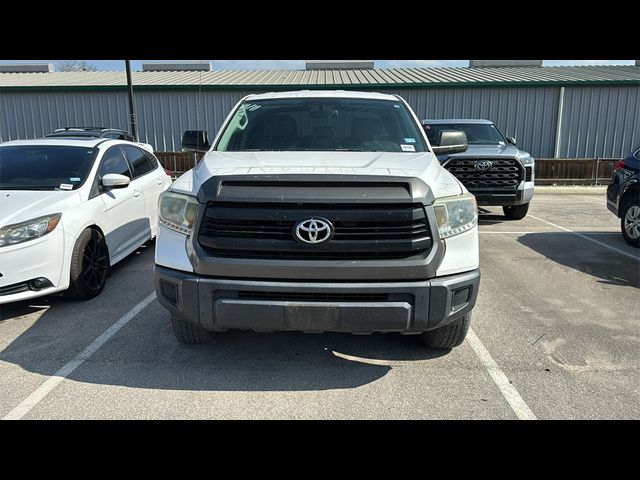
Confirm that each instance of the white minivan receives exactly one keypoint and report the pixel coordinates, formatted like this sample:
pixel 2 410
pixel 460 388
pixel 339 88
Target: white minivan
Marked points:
pixel 70 208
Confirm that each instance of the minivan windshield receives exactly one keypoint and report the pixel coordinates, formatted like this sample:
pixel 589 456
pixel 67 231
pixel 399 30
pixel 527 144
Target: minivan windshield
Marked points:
pixel 477 133
pixel 44 167
pixel 322 124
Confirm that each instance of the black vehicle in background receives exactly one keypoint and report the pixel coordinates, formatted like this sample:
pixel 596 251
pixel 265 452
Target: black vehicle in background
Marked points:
pixel 94 132
pixel 623 196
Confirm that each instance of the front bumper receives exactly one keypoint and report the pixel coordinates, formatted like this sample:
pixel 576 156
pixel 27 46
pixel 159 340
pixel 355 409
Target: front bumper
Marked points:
pixel 219 304
pixel 23 262
pixel 522 195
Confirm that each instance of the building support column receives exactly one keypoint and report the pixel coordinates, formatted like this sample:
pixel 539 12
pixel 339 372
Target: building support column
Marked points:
pixel 556 152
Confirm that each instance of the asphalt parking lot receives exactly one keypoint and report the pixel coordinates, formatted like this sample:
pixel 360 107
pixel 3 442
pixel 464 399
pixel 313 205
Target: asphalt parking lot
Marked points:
pixel 555 335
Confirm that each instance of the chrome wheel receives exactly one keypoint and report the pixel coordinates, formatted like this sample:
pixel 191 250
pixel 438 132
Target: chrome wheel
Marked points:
pixel 632 222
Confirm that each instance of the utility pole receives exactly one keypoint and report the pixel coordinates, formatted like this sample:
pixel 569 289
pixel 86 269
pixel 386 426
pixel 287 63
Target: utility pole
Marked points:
pixel 132 111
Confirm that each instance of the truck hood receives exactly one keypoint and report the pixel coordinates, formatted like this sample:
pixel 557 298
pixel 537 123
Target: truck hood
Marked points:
pixel 21 205
pixel 475 151
pixel 422 165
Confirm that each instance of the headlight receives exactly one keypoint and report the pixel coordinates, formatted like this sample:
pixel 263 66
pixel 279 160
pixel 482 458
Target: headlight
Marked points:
pixel 177 211
pixel 25 231
pixel 456 214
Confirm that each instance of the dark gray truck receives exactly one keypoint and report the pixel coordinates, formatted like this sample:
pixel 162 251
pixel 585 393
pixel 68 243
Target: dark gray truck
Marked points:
pixel 492 167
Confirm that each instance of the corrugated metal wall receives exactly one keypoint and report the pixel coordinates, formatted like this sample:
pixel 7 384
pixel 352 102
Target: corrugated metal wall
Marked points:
pixel 32 115
pixel 161 116
pixel 597 121
pixel 600 122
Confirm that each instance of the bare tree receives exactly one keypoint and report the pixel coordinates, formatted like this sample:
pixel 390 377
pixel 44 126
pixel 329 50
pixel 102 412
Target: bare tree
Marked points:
pixel 76 66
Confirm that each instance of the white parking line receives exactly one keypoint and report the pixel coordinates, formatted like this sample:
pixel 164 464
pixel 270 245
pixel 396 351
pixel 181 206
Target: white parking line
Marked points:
pixel 52 382
pixel 626 254
pixel 509 392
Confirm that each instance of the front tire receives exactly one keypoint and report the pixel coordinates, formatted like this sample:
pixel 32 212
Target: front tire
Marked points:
pixel 190 333
pixel 89 265
pixel 516 212
pixel 447 336
pixel 630 222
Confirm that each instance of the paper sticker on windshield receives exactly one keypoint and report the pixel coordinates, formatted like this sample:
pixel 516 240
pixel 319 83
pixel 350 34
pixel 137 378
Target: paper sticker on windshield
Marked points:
pixel 409 140
pixel 74 179
pixel 250 107
pixel 66 186
pixel 408 148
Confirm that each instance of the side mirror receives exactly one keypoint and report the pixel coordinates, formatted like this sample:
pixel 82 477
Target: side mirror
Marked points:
pixel 451 141
pixel 115 180
pixel 195 141
pixel 511 140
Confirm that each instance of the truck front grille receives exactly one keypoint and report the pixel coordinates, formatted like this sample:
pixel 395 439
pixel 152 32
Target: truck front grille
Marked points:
pixel 504 173
pixel 362 231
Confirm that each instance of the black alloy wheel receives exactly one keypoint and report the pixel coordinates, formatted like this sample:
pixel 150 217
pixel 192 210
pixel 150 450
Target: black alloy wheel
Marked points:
pixel 89 265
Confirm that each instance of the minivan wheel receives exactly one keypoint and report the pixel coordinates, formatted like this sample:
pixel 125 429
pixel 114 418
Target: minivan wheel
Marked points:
pixel 190 333
pixel 89 265
pixel 516 212
pixel 447 336
pixel 630 222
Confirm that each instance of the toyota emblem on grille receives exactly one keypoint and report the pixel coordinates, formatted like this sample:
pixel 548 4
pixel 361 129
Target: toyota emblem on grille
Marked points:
pixel 483 165
pixel 313 230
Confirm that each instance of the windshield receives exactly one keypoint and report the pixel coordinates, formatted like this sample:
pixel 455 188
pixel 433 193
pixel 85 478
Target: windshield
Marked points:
pixel 477 133
pixel 322 124
pixel 44 167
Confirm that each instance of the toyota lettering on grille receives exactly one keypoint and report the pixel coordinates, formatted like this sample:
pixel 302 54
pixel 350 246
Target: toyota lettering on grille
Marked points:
pixel 313 230
pixel 483 165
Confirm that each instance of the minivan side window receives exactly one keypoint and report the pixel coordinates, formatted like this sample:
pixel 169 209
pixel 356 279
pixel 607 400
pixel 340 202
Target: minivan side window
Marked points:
pixel 138 160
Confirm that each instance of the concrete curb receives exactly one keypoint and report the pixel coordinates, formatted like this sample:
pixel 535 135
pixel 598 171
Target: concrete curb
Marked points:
pixel 578 190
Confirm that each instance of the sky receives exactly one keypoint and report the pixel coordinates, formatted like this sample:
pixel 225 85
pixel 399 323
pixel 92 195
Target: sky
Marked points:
pixel 115 65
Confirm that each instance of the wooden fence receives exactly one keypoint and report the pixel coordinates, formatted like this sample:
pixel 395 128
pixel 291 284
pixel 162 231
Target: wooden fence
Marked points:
pixel 178 162
pixel 549 171
pixel 574 171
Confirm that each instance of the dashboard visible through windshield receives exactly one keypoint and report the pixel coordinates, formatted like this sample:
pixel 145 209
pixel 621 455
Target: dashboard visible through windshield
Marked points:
pixel 44 167
pixel 322 124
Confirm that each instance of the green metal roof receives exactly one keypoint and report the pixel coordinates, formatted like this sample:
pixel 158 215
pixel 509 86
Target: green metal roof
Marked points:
pixel 314 79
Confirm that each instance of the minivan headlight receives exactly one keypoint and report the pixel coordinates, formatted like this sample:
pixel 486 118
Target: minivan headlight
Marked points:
pixel 177 211
pixel 456 215
pixel 29 230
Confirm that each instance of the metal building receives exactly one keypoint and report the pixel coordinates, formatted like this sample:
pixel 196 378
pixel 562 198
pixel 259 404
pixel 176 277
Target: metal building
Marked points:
pixel 562 112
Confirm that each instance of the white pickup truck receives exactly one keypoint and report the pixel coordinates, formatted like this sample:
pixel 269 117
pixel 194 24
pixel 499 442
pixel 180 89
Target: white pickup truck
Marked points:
pixel 320 211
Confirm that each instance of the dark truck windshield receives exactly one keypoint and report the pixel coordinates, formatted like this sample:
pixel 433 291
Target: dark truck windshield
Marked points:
pixel 44 167
pixel 477 133
pixel 322 124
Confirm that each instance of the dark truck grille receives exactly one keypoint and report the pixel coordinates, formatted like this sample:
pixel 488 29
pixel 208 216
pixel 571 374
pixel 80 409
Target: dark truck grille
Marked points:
pixel 504 174
pixel 362 231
